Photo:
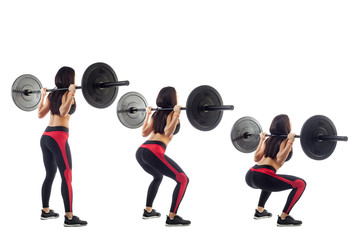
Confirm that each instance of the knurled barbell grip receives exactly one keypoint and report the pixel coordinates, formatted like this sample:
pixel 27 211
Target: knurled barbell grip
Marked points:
pixel 246 135
pixel 133 109
pixel 284 136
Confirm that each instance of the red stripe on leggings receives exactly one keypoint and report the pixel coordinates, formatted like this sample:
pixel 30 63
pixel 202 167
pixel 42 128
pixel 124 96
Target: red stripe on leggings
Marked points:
pixel 159 151
pixel 299 184
pixel 61 137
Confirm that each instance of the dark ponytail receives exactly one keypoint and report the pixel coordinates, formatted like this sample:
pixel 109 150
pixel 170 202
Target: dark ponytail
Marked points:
pixel 167 99
pixel 279 126
pixel 64 77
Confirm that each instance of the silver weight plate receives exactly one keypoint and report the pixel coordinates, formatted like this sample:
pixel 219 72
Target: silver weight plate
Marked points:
pixel 131 100
pixel 26 102
pixel 245 134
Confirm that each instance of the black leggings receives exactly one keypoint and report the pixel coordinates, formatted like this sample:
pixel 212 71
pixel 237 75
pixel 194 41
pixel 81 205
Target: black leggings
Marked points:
pixel 56 154
pixel 151 156
pixel 264 177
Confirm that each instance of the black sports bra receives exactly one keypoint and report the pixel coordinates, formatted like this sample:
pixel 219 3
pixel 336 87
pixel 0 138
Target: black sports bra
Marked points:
pixel 72 109
pixel 289 156
pixel 177 129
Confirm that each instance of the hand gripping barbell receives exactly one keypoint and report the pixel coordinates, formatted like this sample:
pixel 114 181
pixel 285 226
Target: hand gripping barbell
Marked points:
pixel 204 108
pixel 318 136
pixel 99 87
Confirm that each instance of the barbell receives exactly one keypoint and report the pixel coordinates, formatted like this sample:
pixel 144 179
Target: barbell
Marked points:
pixel 99 86
pixel 318 136
pixel 204 108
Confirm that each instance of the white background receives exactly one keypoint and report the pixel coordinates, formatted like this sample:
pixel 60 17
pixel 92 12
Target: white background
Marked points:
pixel 264 57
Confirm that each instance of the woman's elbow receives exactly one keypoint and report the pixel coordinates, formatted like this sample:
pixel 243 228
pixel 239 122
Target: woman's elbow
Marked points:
pixel 63 113
pixel 145 133
pixel 41 114
pixel 168 134
pixel 280 159
pixel 257 158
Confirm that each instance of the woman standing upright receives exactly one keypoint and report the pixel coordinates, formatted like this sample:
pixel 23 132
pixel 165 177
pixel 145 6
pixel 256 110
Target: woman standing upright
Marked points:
pixel 54 144
pixel 162 126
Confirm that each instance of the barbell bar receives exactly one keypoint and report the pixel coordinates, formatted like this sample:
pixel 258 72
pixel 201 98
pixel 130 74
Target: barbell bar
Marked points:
pixel 204 108
pixel 99 87
pixel 318 136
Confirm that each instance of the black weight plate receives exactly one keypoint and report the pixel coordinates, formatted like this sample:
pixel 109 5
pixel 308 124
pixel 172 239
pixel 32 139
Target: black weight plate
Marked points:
pixel 128 101
pixel 26 102
pixel 239 132
pixel 94 75
pixel 312 147
pixel 198 98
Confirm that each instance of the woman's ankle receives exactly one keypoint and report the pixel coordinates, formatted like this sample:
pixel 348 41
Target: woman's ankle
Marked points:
pixel 69 215
pixel 283 215
pixel 172 215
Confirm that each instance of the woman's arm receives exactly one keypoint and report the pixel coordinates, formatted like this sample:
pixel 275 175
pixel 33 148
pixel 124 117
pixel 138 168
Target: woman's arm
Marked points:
pixel 43 109
pixel 285 149
pixel 147 126
pixel 172 121
pixel 67 101
pixel 259 153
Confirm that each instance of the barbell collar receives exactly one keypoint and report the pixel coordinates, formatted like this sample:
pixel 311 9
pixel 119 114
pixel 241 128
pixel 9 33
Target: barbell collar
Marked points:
pixel 114 84
pixel 218 108
pixel 332 138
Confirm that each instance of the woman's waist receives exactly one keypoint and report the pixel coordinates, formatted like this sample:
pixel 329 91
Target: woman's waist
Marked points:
pixel 154 146
pixel 57 129
pixel 57 121
pixel 260 168
pixel 269 162
pixel 160 138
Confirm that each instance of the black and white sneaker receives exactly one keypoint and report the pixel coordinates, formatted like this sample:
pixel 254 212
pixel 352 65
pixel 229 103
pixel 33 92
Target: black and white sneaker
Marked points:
pixel 177 222
pixel 74 222
pixel 152 214
pixel 50 215
pixel 261 215
pixel 288 222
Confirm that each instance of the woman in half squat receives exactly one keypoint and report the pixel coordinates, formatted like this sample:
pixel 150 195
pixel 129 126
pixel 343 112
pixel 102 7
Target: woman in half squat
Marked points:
pixel 54 144
pixel 270 156
pixel 162 126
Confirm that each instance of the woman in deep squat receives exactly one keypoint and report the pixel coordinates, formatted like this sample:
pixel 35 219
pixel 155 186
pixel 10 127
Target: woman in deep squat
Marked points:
pixel 162 126
pixel 54 144
pixel 270 155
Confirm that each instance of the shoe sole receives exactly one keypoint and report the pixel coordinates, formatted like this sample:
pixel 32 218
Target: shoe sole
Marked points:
pixel 147 218
pixel 176 225
pixel 288 225
pixel 48 218
pixel 74 225
pixel 259 218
